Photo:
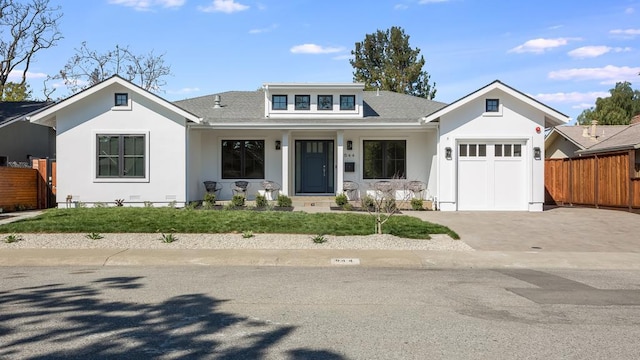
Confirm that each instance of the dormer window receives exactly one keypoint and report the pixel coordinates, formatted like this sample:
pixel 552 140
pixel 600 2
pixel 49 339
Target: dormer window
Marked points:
pixel 492 105
pixel 279 102
pixel 325 102
pixel 347 102
pixel 121 99
pixel 303 102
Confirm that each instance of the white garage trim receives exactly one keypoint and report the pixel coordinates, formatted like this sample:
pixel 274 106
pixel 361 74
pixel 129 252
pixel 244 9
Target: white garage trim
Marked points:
pixel 493 174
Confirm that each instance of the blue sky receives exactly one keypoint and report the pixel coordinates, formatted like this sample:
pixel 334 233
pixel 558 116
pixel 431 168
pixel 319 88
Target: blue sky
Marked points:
pixel 563 53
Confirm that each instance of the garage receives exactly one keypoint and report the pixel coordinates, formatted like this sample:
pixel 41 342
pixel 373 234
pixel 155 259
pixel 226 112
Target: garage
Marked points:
pixel 492 175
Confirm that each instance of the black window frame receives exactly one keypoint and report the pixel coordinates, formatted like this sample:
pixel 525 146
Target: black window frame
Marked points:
pixel 330 97
pixel 492 105
pixel 302 105
pixel 118 99
pixel 352 105
pixel 121 157
pixel 388 168
pixel 239 165
pixel 277 105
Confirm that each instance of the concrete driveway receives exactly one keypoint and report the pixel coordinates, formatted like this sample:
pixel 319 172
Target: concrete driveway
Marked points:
pixel 558 229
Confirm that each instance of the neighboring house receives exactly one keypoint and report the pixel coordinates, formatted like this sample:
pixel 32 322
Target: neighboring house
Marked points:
pixel 118 141
pixel 21 140
pixel 566 140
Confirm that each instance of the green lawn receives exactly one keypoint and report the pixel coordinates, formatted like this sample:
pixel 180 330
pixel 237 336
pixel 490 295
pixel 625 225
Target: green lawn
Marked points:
pixel 150 220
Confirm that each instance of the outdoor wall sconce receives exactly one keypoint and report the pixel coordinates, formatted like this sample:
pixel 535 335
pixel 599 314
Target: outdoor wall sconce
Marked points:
pixel 349 145
pixel 447 153
pixel 278 145
pixel 536 153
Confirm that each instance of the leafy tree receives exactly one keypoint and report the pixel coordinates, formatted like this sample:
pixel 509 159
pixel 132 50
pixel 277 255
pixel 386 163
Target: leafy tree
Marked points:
pixel 15 92
pixel 617 109
pixel 88 67
pixel 26 27
pixel 385 61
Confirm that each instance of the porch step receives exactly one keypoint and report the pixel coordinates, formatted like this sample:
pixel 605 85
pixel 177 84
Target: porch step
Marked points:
pixel 316 201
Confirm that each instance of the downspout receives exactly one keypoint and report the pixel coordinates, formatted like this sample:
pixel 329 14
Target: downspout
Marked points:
pixel 435 201
pixel 187 162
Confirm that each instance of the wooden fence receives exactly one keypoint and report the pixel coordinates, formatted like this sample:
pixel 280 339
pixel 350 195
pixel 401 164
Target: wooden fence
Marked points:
pixel 18 189
pixel 25 189
pixel 607 180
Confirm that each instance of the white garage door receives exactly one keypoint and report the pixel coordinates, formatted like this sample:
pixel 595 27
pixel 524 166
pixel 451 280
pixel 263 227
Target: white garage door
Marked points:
pixel 492 176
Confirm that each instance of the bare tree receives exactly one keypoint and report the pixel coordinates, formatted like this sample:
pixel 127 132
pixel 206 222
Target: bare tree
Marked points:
pixel 388 197
pixel 25 29
pixel 89 67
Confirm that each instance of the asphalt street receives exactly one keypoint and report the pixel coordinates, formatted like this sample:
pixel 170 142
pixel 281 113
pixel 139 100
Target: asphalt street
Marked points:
pixel 213 312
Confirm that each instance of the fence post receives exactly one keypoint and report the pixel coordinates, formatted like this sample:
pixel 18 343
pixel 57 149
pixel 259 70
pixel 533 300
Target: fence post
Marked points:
pixel 596 180
pixel 632 171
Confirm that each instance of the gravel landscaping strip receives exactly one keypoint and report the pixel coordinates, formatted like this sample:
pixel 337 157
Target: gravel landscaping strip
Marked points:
pixel 233 241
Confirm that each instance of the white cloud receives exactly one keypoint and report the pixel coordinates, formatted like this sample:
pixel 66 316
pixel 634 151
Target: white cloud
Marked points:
pixel 629 10
pixel 431 1
pixel 17 75
pixel 225 6
pixel 400 7
pixel 146 5
pixel 263 30
pixel 595 51
pixel 538 46
pixel 572 97
pixel 314 49
pixel 343 57
pixel 583 106
pixel 609 74
pixel 555 27
pixel 625 32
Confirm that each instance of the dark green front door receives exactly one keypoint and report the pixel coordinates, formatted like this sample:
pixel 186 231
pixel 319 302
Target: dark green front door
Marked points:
pixel 314 166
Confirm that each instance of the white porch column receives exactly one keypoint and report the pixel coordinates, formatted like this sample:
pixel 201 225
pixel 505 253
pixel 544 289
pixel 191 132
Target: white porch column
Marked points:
pixel 285 163
pixel 340 169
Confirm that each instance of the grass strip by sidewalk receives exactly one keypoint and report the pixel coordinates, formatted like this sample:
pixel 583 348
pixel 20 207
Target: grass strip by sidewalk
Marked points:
pixel 151 220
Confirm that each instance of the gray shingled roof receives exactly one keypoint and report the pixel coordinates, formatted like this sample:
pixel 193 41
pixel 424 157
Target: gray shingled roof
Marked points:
pixel 575 133
pixel 248 106
pixel 625 139
pixel 12 110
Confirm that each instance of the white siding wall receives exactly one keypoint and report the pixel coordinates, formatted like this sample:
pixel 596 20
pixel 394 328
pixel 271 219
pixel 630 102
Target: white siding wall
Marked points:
pixel 77 126
pixel 560 148
pixel 518 121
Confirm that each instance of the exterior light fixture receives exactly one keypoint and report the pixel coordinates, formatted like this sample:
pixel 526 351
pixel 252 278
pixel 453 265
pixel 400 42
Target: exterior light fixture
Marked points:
pixel 349 145
pixel 537 154
pixel 447 153
pixel 278 145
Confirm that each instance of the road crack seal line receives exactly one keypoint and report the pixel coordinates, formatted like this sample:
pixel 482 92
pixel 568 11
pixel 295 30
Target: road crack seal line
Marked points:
pixel 110 256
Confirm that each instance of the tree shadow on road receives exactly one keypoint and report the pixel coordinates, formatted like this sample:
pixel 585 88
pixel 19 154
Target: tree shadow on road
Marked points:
pixel 59 321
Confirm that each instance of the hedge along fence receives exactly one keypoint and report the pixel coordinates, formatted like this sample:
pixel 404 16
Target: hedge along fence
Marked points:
pixel 18 189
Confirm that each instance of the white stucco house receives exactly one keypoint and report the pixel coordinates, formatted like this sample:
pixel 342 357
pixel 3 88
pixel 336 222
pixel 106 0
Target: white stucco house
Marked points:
pixel 118 141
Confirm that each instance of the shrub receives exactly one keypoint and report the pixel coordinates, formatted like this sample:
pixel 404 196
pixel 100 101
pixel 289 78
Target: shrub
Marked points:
pixel 284 201
pixel 94 236
pixel 99 205
pixel 367 202
pixel 210 197
pixel 11 238
pixel 191 205
pixel 172 204
pixel 237 200
pixel 168 238
pixel 148 204
pixel 247 234
pixel 342 200
pixel 319 239
pixel 347 207
pixel 261 201
pixel 417 204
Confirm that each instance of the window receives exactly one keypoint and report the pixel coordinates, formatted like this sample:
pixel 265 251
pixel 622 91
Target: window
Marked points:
pixel 302 102
pixel 384 159
pixel 473 150
pixel 243 159
pixel 508 150
pixel 122 99
pixel 121 156
pixel 492 105
pixel 279 102
pixel 347 102
pixel 325 102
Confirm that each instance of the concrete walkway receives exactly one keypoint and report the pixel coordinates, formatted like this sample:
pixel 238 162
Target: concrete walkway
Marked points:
pixel 570 238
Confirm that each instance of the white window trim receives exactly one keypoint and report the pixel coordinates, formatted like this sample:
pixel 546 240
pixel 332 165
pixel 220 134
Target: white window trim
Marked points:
pixel 492 113
pixel 147 156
